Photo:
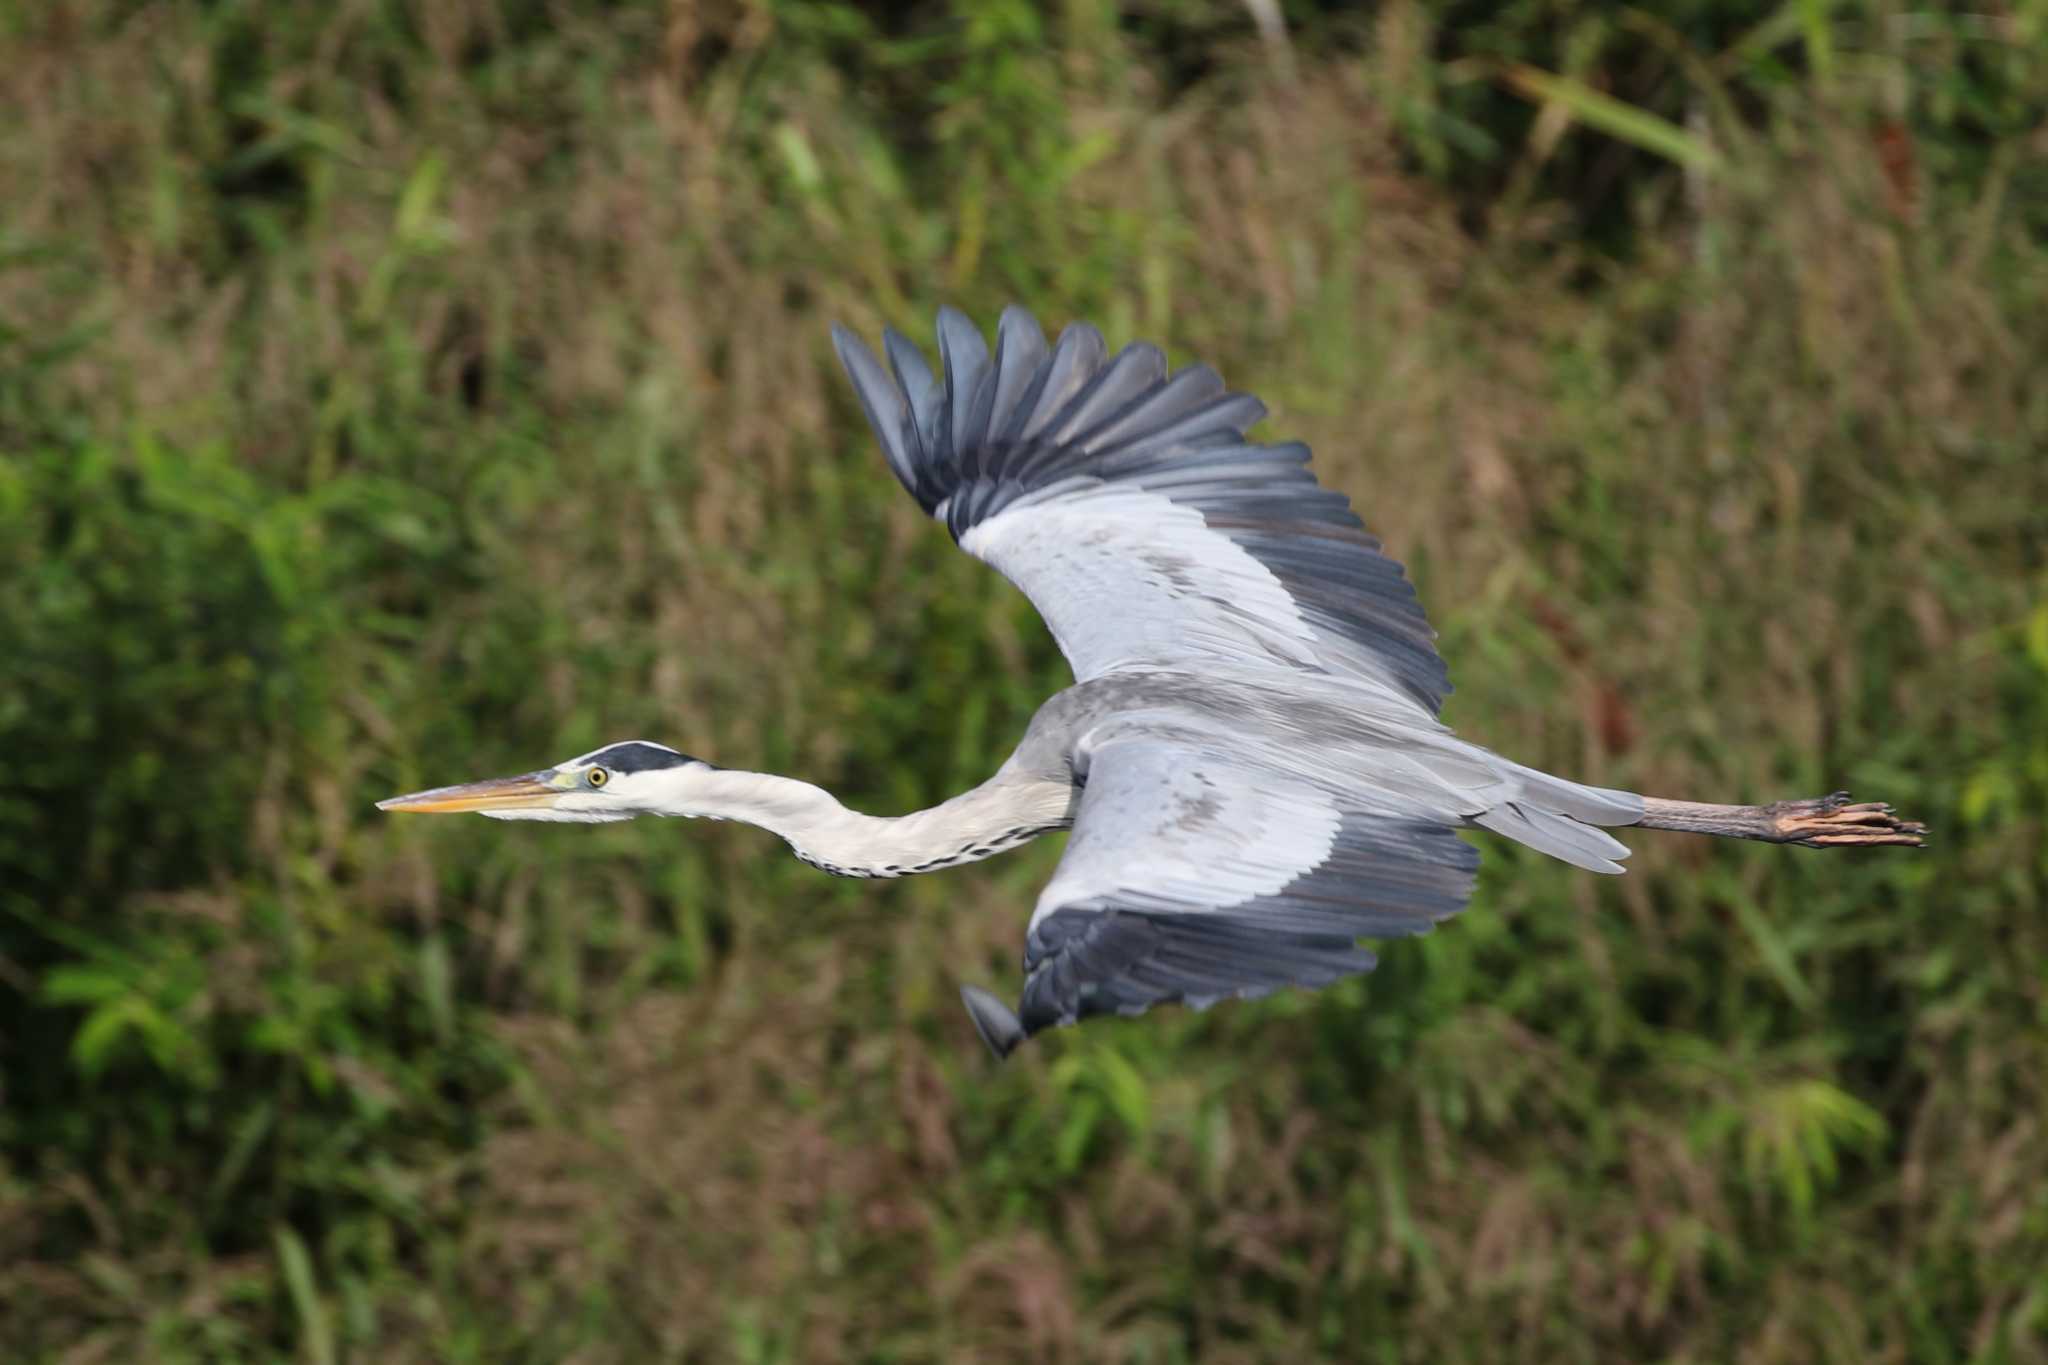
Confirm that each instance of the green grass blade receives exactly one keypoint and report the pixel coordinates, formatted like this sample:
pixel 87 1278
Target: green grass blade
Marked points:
pixel 1635 126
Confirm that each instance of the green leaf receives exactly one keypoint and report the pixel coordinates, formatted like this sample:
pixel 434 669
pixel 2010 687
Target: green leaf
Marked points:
pixel 1773 950
pixel 1082 1117
pixel 100 1037
pixel 1637 127
pixel 437 986
pixel 316 1333
pixel 1125 1090
pixel 82 984
pixel 798 157
pixel 416 202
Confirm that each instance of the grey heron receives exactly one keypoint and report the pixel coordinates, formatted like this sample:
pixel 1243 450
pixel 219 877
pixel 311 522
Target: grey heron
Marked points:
pixel 1250 758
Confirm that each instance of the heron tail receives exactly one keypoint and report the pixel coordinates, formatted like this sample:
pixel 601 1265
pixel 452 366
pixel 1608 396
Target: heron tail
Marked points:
pixel 1559 817
pixel 1561 836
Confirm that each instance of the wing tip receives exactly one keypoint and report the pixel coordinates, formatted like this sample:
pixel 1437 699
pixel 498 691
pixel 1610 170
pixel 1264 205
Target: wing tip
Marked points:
pixel 996 1022
pixel 1017 315
pixel 851 350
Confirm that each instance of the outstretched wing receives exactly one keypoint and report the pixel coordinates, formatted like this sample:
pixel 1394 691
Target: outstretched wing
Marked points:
pixel 1190 877
pixel 1128 506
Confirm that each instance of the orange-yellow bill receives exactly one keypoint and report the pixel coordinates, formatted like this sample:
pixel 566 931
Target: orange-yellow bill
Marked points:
pixel 524 792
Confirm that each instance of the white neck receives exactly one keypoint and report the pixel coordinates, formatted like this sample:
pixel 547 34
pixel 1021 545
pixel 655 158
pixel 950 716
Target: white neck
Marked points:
pixel 1001 813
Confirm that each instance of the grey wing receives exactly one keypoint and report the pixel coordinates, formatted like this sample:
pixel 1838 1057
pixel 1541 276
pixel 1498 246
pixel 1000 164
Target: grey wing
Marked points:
pixel 1191 877
pixel 1128 506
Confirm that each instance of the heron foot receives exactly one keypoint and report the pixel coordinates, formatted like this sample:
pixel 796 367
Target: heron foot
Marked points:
pixel 1833 822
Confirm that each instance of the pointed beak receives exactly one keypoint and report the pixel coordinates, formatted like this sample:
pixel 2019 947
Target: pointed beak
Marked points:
pixel 524 792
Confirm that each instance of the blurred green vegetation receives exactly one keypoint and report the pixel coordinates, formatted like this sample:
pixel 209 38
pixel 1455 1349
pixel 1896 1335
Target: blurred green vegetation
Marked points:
pixel 397 393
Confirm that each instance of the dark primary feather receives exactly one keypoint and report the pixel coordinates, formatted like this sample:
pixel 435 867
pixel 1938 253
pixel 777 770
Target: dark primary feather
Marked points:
pixel 1141 942
pixel 1122 955
pixel 996 428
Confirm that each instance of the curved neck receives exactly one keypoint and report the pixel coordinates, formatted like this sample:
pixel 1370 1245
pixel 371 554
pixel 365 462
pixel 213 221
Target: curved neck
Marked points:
pixel 1001 813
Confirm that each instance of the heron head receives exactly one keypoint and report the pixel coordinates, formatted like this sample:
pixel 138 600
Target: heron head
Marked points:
pixel 617 782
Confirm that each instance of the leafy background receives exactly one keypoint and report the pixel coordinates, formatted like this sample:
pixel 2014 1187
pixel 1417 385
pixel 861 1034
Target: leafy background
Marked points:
pixel 395 393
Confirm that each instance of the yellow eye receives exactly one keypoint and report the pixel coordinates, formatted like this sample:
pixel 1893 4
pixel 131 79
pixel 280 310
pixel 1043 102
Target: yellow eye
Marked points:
pixel 597 777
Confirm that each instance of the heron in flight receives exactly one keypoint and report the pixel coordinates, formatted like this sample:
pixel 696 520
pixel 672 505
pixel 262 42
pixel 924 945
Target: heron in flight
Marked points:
pixel 1250 758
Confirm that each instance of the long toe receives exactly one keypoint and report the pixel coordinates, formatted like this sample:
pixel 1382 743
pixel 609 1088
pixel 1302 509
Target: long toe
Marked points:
pixel 1833 822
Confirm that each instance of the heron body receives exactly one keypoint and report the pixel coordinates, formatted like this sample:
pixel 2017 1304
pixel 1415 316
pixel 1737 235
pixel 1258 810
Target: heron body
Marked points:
pixel 1250 759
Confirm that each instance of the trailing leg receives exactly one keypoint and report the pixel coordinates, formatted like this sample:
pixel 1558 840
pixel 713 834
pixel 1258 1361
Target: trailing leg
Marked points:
pixel 1822 822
